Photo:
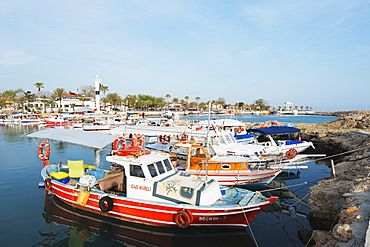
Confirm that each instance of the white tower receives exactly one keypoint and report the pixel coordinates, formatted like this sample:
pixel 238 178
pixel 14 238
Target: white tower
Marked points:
pixel 97 93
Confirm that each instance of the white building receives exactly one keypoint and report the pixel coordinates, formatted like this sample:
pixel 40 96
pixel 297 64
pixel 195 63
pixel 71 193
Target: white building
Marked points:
pixel 288 106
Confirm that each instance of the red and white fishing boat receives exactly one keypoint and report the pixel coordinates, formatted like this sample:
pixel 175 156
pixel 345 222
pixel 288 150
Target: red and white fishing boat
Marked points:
pixel 95 228
pixel 144 187
pixel 59 120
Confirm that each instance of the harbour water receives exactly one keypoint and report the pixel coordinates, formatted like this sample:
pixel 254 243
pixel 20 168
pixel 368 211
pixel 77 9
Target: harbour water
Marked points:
pixel 264 118
pixel 27 222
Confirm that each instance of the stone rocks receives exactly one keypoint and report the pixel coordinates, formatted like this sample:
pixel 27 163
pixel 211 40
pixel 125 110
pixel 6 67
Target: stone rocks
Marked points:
pixel 344 199
pixel 343 232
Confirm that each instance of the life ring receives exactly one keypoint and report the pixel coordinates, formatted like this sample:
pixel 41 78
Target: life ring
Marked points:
pixel 164 139
pixel 183 218
pixel 291 153
pixel 134 140
pixel 239 130
pixel 41 154
pixel 106 204
pixel 47 184
pixel 141 140
pixel 119 141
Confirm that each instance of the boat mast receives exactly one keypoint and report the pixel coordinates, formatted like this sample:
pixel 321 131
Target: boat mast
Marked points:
pixel 209 125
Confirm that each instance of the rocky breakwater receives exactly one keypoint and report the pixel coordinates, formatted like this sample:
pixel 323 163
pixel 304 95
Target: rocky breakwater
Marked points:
pixel 343 200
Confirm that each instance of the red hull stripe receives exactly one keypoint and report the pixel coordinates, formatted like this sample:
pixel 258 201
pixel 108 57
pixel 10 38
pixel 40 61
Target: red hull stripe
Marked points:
pixel 131 210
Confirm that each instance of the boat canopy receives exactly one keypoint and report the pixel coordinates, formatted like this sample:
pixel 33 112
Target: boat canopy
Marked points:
pixel 89 139
pixel 275 130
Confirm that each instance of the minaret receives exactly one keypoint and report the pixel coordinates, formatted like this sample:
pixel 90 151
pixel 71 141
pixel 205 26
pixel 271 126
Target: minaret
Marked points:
pixel 97 93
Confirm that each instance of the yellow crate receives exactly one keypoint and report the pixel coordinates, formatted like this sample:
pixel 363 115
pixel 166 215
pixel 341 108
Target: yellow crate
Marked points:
pixel 59 175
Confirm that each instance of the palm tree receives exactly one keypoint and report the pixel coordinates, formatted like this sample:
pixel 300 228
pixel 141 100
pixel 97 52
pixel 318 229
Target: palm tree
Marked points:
pixel 197 99
pixel 104 101
pixel 58 93
pixel 167 96
pixel 103 89
pixel 83 99
pixel 73 105
pixel 114 99
pixel 51 102
pixel 39 85
pixel 45 101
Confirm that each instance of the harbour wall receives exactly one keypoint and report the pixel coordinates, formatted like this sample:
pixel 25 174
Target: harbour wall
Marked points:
pixel 340 205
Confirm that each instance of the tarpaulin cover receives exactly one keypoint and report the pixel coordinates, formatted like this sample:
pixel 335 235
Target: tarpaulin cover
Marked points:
pixel 94 139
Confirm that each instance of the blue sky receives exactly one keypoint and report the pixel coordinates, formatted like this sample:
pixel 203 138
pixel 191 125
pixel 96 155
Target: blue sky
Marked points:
pixel 312 53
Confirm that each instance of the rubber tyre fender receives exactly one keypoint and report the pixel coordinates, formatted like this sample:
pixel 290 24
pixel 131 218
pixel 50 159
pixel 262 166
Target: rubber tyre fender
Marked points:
pixel 106 232
pixel 47 184
pixel 106 204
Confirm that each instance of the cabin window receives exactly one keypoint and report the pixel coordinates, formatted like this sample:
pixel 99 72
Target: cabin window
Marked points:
pixel 160 167
pixel 168 165
pixel 228 139
pixel 136 171
pixel 152 170
pixel 222 140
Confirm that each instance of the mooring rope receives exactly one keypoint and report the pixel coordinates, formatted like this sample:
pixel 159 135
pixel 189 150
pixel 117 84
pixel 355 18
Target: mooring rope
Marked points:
pixel 249 226
pixel 284 187
pixel 334 155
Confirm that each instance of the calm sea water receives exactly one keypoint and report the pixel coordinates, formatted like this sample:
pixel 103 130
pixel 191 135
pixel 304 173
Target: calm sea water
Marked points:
pixel 23 206
pixel 264 118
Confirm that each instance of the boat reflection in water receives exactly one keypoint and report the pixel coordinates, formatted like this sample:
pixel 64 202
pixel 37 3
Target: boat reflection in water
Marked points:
pixel 288 203
pixel 96 230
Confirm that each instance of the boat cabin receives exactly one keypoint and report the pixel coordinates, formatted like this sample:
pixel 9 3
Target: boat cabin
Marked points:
pixel 153 177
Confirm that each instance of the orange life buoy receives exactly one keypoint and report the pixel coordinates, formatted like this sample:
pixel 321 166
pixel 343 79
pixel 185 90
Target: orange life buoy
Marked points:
pixel 183 218
pixel 134 140
pixel 291 153
pixel 141 140
pixel 239 130
pixel 117 142
pixel 123 150
pixel 43 156
pixel 47 184
pixel 164 139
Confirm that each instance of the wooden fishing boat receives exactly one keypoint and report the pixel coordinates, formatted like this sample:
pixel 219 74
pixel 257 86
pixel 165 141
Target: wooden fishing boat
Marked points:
pixel 59 120
pixel 86 226
pixel 227 170
pixel 143 187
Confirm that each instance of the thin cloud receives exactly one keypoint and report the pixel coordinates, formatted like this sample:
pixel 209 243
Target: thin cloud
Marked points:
pixel 9 57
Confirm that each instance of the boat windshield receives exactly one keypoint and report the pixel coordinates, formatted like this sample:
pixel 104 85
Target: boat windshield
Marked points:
pixel 136 171
pixel 229 138
pixel 167 164
pixel 152 170
pixel 160 167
